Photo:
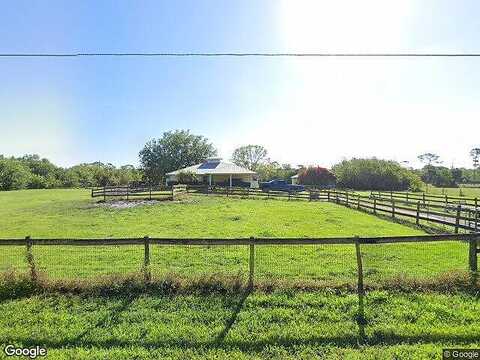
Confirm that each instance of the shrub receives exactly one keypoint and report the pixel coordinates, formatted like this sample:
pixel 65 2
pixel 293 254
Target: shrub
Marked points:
pixel 316 175
pixel 375 174
pixel 187 177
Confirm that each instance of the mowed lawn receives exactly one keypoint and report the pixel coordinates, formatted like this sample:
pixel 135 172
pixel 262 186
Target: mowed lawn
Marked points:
pixel 470 192
pixel 72 213
pixel 279 325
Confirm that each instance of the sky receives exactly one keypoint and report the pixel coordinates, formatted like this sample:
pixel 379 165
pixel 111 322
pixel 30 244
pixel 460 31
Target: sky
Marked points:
pixel 309 111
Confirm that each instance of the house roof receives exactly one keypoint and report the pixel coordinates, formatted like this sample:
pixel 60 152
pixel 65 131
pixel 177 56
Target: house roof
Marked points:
pixel 214 166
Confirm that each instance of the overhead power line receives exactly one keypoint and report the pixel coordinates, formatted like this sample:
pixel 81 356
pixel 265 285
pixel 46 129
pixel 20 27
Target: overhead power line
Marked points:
pixel 234 54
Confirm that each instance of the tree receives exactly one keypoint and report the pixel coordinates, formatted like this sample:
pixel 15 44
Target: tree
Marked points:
pixel 429 159
pixel 249 156
pixel 475 154
pixel 375 174
pixel 13 175
pixel 174 150
pixel 317 176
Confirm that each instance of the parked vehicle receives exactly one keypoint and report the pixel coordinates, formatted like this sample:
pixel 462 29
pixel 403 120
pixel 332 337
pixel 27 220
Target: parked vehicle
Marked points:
pixel 280 185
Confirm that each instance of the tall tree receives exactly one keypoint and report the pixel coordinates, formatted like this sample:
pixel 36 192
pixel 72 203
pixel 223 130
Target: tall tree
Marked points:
pixel 429 159
pixel 174 150
pixel 249 156
pixel 475 154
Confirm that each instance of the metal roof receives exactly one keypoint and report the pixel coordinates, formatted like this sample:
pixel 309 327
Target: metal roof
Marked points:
pixel 214 167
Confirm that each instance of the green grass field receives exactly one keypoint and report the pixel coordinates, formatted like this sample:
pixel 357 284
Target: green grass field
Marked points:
pixel 285 324
pixel 280 325
pixel 471 192
pixel 71 213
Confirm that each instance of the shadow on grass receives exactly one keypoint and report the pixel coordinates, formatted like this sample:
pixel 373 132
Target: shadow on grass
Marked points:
pixel 221 337
pixel 257 346
pixel 234 302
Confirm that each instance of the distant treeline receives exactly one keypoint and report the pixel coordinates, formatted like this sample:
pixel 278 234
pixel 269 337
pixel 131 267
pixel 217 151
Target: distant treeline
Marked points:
pixel 33 172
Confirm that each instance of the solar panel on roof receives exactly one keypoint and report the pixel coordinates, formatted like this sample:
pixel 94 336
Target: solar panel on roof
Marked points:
pixel 209 165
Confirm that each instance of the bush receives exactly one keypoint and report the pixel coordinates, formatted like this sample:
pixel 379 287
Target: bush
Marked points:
pixel 187 177
pixel 375 174
pixel 317 176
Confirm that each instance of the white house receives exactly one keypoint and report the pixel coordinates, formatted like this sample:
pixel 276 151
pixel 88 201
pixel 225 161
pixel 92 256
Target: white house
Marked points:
pixel 215 171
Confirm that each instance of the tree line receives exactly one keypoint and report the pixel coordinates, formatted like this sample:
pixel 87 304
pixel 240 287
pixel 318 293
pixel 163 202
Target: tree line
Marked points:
pixel 33 172
pixel 180 148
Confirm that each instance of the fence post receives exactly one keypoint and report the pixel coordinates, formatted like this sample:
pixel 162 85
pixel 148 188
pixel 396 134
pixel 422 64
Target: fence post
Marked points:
pixel 104 193
pixel 347 197
pixel 375 206
pixel 150 192
pixel 128 190
pixel 446 201
pixel 30 259
pixel 173 194
pixel 457 218
pixel 393 208
pixel 360 289
pixel 251 263
pixel 146 259
pixel 407 197
pixel 358 202
pixel 472 258
pixel 391 195
pixel 417 219
pixel 328 195
pixel 476 214
pixel 423 199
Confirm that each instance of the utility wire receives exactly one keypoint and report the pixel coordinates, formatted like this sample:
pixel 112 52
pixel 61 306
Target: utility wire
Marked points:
pixel 233 54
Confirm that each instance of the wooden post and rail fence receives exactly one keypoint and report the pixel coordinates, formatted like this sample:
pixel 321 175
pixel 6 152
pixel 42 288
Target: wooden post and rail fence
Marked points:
pixel 458 213
pixel 472 239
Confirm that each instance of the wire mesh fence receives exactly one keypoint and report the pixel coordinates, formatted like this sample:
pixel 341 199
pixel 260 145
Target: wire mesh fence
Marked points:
pixel 423 261
pixel 318 262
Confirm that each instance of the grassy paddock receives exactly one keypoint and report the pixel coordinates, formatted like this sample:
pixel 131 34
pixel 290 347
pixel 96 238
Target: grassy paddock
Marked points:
pixel 71 213
pixel 197 307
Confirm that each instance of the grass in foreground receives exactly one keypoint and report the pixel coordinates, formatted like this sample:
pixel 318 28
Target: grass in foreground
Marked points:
pixel 280 325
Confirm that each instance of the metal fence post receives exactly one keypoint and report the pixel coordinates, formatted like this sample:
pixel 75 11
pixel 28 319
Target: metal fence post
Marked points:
pixel 146 259
pixel 251 263
pixel 30 259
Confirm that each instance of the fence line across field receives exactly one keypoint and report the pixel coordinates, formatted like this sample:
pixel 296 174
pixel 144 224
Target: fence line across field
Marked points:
pixel 251 243
pixel 452 213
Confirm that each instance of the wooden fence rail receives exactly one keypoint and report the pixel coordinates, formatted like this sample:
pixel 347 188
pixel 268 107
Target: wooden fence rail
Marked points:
pixel 251 242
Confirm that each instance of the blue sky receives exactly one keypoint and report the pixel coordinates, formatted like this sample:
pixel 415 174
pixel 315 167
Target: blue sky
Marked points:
pixel 305 111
